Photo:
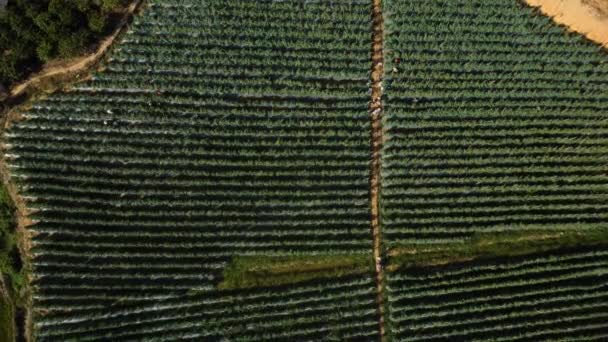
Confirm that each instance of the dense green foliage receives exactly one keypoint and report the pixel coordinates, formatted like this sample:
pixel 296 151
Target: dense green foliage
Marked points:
pixel 551 297
pixel 7 318
pixel 35 31
pixel 218 129
pixel 10 259
pixel 495 121
pixel 10 267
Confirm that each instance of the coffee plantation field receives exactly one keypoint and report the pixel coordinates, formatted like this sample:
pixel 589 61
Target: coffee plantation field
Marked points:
pixel 217 129
pixel 217 178
pixel 535 298
pixel 495 120
pixel 339 309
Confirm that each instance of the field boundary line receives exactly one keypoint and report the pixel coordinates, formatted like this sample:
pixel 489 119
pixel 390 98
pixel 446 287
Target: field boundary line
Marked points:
pixel 376 111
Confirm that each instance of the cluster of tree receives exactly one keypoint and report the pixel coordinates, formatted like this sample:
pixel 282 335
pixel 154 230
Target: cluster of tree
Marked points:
pixel 33 32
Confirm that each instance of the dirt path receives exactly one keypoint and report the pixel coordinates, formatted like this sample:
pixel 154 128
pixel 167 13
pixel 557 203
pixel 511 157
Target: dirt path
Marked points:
pixel 76 65
pixel 376 110
pixel 589 17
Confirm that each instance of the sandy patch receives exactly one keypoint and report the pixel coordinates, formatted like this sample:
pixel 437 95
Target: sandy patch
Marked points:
pixel 589 17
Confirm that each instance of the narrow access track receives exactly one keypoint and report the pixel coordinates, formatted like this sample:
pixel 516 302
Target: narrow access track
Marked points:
pixel 376 109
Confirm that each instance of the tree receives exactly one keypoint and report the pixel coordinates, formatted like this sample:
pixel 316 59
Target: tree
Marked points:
pixel 35 31
pixel 108 5
pixel 45 51
pixel 73 44
pixel 97 21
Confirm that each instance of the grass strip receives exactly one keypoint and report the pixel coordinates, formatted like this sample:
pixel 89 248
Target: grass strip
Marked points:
pixel 262 271
pixel 494 245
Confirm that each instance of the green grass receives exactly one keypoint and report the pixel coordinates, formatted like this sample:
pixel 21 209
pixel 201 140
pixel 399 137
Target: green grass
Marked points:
pixel 260 271
pixel 494 245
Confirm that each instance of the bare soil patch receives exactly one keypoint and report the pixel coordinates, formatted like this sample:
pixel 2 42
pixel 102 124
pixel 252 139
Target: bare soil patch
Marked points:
pixel 589 17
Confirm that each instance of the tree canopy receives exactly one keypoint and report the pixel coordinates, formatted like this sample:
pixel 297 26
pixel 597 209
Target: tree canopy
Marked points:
pixel 34 32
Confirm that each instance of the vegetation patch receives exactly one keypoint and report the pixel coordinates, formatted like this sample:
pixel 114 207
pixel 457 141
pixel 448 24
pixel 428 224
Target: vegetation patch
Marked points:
pixel 262 271
pixel 7 314
pixel 10 259
pixel 11 274
pixel 494 245
pixel 35 32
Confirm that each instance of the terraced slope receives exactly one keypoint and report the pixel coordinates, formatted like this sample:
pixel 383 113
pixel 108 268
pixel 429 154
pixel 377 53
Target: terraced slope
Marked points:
pixel 218 128
pixel 495 120
pixel 535 298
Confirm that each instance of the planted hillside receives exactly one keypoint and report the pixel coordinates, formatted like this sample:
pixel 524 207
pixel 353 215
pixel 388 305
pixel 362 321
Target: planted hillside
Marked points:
pixel 550 297
pixel 305 170
pixel 494 180
pixel 218 129
pixel 495 121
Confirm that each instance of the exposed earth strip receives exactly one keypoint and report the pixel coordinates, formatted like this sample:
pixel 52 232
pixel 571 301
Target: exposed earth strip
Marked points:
pixel 376 147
